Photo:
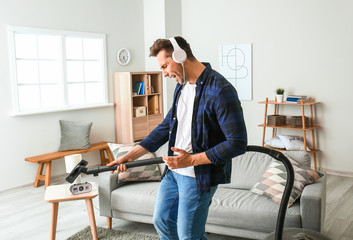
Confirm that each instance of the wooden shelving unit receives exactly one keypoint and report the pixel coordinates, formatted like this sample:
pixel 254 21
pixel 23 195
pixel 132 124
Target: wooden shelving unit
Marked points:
pixel 129 128
pixel 302 128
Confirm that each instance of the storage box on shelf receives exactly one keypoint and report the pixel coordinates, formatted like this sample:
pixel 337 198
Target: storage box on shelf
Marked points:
pixel 307 124
pixel 141 92
pixel 276 120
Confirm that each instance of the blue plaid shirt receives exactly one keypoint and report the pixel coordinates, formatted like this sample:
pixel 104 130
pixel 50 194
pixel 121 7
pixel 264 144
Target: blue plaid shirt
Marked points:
pixel 218 128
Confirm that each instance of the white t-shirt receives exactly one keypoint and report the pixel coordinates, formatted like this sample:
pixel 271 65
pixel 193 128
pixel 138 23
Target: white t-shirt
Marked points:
pixel 184 114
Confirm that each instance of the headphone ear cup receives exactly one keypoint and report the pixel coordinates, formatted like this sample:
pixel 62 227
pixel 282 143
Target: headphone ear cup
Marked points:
pixel 179 56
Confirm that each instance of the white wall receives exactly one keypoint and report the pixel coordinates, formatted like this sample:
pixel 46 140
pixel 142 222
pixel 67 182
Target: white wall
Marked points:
pixel 27 136
pixel 302 46
pixel 162 19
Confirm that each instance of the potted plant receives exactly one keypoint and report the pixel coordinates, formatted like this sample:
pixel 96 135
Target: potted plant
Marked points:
pixel 279 96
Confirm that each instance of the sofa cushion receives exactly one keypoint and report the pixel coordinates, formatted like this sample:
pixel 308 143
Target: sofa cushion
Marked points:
pixel 248 168
pixel 275 178
pixel 135 197
pixel 301 157
pixel 230 207
pixel 74 135
pixel 245 210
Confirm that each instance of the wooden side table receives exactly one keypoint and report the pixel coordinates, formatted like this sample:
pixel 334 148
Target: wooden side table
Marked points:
pixel 61 193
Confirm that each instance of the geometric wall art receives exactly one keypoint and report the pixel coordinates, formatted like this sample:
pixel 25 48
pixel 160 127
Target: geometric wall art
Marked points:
pixel 235 64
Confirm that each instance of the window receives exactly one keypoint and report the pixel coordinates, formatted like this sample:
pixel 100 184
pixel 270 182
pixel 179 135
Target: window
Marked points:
pixel 57 70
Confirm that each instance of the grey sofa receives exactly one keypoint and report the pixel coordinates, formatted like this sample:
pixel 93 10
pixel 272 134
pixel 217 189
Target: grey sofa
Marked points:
pixel 235 211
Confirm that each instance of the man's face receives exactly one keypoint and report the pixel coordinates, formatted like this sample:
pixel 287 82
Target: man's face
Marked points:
pixel 169 67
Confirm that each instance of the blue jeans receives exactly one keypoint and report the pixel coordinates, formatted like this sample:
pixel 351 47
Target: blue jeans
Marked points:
pixel 180 211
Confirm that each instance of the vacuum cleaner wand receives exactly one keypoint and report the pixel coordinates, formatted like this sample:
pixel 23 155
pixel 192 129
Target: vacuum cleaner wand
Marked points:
pixel 81 167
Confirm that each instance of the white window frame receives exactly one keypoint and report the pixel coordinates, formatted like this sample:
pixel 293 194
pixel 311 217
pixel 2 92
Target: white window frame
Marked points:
pixel 62 33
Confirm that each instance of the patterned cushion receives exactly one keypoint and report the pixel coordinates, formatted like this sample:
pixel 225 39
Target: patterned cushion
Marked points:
pixel 136 174
pixel 275 177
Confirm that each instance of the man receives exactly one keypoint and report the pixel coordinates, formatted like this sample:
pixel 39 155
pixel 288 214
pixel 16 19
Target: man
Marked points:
pixel 205 129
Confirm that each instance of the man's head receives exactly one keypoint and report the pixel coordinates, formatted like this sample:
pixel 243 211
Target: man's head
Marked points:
pixel 163 50
pixel 165 44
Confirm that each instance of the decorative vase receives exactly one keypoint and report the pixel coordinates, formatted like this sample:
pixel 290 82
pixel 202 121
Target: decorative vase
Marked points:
pixel 279 98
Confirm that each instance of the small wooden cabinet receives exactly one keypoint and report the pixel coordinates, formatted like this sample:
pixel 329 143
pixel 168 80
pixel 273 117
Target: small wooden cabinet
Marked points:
pixel 312 127
pixel 129 126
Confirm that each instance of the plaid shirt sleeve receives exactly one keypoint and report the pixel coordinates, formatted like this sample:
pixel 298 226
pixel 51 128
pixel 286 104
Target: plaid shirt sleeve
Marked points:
pixel 158 136
pixel 230 118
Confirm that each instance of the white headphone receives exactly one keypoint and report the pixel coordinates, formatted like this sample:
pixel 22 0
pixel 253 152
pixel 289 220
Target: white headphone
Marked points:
pixel 179 55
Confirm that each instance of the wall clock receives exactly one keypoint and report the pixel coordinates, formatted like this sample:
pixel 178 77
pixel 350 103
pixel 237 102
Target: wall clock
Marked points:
pixel 123 56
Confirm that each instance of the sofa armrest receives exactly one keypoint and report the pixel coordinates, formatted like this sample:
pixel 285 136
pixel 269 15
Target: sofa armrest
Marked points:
pixel 107 183
pixel 313 205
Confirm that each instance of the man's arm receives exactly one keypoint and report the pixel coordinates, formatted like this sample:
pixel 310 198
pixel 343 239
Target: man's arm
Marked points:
pixel 134 153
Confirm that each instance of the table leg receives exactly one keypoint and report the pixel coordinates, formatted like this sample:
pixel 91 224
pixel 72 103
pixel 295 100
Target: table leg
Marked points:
pixel 54 219
pixel 92 220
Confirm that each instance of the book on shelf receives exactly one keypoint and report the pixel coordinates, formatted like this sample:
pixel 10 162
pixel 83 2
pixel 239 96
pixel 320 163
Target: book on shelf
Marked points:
pixel 296 98
pixel 142 90
pixel 139 88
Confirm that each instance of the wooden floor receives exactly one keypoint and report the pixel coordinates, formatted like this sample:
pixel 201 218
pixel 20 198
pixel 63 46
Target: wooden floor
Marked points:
pixel 25 215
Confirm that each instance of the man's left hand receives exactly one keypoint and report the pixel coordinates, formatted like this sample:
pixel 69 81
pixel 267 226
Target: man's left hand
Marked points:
pixel 184 159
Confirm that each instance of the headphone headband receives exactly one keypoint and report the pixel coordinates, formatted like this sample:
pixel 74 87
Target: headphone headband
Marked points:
pixel 179 55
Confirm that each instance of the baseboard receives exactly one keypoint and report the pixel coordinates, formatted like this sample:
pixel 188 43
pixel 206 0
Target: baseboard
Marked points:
pixel 335 172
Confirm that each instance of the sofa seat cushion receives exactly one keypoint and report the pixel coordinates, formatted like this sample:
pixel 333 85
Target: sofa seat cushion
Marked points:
pixel 135 197
pixel 245 210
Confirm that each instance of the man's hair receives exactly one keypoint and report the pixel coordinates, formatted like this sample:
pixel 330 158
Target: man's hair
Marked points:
pixel 165 44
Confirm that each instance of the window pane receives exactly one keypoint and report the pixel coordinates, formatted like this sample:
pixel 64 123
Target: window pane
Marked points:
pixel 51 96
pixel 25 46
pixel 74 71
pixel 49 47
pixel 27 71
pixel 28 97
pixel 76 94
pixel 49 71
pixel 93 72
pixel 94 93
pixel 73 48
pixel 92 48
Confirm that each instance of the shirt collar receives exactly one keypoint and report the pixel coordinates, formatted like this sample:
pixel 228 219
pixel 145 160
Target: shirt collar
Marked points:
pixel 203 76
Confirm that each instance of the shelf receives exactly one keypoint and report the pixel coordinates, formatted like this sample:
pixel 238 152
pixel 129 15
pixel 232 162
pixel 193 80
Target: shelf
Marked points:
pixel 286 103
pixel 128 128
pixel 308 127
pixel 282 149
pixel 287 126
pixel 144 95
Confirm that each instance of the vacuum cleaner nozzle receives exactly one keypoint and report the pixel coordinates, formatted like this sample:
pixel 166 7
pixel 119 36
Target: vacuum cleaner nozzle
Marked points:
pixel 76 171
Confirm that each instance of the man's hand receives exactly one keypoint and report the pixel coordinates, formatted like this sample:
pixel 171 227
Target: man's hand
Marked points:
pixel 121 167
pixel 183 160
pixel 133 154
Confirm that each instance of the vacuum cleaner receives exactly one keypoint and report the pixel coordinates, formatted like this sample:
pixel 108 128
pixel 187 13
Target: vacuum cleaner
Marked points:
pixel 81 168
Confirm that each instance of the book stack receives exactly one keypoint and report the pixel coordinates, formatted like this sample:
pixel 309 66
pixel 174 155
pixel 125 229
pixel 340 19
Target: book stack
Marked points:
pixel 296 98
